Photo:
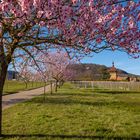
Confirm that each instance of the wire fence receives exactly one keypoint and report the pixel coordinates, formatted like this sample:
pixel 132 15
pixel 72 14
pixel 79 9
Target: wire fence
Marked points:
pixel 109 85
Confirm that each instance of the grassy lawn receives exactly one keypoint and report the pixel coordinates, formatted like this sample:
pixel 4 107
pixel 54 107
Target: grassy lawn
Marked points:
pixel 73 114
pixel 16 86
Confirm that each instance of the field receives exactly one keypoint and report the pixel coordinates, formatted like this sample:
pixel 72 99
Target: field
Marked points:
pixel 16 86
pixel 75 113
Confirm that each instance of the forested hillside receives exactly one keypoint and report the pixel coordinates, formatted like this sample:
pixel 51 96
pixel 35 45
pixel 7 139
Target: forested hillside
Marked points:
pixel 93 72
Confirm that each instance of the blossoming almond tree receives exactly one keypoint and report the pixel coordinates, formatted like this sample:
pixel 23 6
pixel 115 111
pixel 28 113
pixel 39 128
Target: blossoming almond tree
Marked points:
pixel 55 66
pixel 75 25
pixel 25 74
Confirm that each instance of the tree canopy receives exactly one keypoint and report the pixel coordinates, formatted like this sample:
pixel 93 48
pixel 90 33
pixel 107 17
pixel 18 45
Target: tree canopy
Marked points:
pixel 74 25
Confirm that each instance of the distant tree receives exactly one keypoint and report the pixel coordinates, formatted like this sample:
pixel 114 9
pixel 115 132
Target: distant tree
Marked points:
pixel 25 75
pixel 55 66
pixel 105 74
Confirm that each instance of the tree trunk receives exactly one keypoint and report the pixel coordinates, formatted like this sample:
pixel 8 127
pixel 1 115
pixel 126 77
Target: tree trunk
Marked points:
pixel 44 87
pixel 59 84
pixel 51 87
pixel 4 62
pixel 3 72
pixel 32 84
pixel 26 84
pixel 56 84
pixel 44 91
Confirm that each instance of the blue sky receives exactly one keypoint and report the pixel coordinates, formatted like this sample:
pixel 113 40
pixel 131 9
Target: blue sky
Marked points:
pixel 121 60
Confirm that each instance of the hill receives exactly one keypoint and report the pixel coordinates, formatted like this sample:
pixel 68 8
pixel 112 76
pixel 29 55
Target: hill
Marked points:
pixel 11 75
pixel 94 72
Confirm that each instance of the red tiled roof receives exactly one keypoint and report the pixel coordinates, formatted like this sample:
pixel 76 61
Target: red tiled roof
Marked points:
pixel 112 69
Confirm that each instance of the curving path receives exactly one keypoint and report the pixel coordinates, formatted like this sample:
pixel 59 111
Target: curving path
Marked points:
pixel 10 100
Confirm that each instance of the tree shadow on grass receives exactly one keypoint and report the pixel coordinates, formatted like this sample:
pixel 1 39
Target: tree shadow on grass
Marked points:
pixel 46 136
pixel 117 92
pixel 11 102
pixel 86 94
pixel 10 92
pixel 91 92
pixel 68 101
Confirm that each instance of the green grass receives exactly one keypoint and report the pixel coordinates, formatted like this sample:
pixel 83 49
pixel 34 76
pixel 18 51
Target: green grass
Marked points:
pixel 16 86
pixel 74 114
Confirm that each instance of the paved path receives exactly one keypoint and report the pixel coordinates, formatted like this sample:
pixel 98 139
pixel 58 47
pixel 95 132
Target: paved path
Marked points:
pixel 10 100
